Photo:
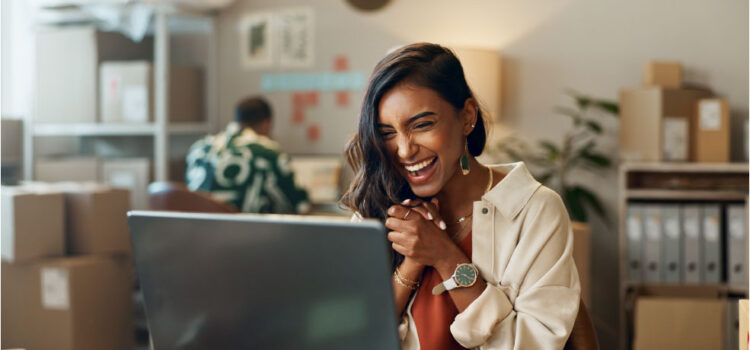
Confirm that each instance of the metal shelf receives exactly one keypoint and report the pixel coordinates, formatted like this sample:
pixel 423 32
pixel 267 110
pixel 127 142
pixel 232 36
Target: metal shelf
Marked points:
pixel 104 129
pixel 671 167
pixel 684 195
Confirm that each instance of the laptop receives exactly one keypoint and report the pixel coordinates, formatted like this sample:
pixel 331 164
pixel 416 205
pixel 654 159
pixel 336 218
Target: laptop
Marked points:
pixel 243 281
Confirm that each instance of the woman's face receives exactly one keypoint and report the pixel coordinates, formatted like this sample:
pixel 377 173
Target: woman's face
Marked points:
pixel 424 135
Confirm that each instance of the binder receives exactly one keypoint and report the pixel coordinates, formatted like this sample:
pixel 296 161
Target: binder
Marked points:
pixel 634 229
pixel 737 245
pixel 712 256
pixel 671 239
pixel 652 250
pixel 732 325
pixel 691 248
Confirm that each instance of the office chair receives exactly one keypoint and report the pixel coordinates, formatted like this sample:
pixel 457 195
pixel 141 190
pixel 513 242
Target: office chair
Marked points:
pixel 583 335
pixel 174 196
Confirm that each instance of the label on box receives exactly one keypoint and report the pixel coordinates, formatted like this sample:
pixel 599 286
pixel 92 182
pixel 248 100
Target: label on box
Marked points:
pixel 710 115
pixel 737 227
pixel 55 288
pixel 123 179
pixel 691 228
pixel 711 228
pixel 135 104
pixel 675 138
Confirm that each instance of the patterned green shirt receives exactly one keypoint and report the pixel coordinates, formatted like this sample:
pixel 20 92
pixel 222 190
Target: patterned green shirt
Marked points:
pixel 245 169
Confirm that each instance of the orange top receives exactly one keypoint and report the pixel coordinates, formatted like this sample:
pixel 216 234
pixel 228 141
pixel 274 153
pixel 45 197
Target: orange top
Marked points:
pixel 433 314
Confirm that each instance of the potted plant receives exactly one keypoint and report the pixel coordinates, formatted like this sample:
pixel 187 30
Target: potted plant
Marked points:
pixel 552 163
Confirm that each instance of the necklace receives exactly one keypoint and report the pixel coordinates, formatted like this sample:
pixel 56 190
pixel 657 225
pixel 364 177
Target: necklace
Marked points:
pixel 489 187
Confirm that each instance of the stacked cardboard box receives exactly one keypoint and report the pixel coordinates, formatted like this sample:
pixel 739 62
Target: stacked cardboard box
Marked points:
pixel 126 90
pixel 67 271
pixel 680 323
pixel 664 121
pixel 73 54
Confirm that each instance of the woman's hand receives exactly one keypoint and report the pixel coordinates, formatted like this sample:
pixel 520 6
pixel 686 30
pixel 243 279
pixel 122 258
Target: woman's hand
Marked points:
pixel 418 232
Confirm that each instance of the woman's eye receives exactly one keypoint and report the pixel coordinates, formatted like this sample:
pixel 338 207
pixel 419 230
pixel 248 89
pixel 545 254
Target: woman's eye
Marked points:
pixel 386 134
pixel 423 125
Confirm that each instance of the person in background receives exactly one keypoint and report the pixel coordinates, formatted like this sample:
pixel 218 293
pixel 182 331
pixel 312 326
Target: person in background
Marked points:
pixel 243 167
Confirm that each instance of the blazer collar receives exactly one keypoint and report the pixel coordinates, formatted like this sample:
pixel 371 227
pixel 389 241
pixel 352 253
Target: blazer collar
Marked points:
pixel 512 193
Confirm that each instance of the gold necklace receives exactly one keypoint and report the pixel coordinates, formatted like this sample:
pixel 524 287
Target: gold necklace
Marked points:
pixel 489 187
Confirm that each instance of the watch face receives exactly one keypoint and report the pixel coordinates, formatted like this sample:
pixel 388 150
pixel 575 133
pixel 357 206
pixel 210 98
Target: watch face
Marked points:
pixel 465 275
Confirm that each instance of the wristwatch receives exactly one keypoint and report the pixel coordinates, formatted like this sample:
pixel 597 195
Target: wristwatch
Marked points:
pixel 464 276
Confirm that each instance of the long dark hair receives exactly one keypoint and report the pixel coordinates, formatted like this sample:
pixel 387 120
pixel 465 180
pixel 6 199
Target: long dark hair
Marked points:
pixel 377 185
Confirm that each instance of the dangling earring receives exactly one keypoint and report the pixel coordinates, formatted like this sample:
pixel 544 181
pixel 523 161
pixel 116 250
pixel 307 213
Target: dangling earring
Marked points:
pixel 464 160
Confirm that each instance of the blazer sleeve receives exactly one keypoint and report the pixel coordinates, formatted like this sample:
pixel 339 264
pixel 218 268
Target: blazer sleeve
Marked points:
pixel 537 312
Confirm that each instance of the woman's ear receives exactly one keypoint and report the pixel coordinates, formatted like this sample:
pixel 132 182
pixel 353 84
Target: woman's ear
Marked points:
pixel 469 115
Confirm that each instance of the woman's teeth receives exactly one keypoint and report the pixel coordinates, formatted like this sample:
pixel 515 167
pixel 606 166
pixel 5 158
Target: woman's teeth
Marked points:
pixel 419 166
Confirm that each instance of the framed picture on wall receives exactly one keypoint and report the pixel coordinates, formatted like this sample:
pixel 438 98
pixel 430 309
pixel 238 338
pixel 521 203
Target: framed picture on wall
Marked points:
pixel 296 35
pixel 256 40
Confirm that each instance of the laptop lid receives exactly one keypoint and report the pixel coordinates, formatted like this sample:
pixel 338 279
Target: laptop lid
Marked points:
pixel 263 281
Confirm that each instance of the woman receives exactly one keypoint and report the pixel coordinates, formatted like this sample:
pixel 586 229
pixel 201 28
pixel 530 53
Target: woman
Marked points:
pixel 482 256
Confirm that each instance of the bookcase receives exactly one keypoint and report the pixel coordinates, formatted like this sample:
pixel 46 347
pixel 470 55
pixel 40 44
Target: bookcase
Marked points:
pixel 675 185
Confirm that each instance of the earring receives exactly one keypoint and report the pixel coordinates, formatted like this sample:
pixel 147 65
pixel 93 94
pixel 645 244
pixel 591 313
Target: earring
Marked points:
pixel 464 160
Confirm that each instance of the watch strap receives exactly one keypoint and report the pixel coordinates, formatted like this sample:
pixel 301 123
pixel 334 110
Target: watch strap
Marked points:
pixel 445 285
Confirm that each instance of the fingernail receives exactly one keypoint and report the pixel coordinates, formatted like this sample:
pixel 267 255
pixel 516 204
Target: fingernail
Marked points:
pixel 429 216
pixel 442 225
pixel 434 200
pixel 391 210
pixel 406 201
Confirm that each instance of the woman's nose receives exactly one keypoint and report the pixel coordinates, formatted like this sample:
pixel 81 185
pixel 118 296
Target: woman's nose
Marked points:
pixel 406 148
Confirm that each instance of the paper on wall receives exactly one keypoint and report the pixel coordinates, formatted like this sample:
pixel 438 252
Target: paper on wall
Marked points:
pixel 55 288
pixel 296 28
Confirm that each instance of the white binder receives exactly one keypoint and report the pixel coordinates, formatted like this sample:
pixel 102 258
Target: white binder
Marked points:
pixel 691 248
pixel 712 256
pixel 737 245
pixel 652 250
pixel 634 229
pixel 671 240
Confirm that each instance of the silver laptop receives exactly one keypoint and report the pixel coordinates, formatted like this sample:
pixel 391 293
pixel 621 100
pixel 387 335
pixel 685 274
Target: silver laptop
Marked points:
pixel 223 281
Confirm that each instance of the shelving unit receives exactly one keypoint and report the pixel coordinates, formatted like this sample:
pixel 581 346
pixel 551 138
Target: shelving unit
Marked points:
pixel 673 182
pixel 160 129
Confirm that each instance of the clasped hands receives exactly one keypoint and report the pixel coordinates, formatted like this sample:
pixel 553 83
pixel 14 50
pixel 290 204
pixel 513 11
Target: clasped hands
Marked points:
pixel 418 232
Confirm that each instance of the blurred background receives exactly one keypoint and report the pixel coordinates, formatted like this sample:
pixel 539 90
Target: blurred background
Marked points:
pixel 636 112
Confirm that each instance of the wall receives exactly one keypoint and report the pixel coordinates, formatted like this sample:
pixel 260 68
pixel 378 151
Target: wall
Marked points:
pixel 596 47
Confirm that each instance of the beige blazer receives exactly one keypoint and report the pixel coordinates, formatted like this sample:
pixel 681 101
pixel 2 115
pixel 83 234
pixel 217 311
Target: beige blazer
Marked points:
pixel 522 245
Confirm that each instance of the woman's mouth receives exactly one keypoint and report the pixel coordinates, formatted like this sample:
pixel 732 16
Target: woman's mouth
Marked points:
pixel 420 172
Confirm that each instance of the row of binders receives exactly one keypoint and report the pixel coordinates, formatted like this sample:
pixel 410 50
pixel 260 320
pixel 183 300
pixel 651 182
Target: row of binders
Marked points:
pixel 687 243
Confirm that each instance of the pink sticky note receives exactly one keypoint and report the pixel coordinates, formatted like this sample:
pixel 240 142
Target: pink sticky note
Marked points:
pixel 298 115
pixel 342 98
pixel 313 132
pixel 340 63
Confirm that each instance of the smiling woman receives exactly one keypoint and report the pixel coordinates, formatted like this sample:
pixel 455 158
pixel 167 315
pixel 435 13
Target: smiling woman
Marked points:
pixel 493 238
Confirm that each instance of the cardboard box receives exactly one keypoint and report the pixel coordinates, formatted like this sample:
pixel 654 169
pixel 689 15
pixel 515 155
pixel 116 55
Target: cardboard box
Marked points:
pixel 97 219
pixel 127 93
pixel 712 131
pixel 680 323
pixel 663 73
pixel 12 141
pixel 68 303
pixel 133 174
pixel 319 176
pixel 744 335
pixel 33 224
pixel 73 54
pixel 643 112
pixel 78 169
pixel 582 258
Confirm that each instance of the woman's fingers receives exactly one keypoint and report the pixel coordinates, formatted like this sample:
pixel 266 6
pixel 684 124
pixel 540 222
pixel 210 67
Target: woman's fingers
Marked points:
pixel 404 213
pixel 434 214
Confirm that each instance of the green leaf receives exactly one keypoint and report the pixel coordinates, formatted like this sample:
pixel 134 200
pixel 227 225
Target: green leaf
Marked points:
pixel 611 107
pixel 596 159
pixel 590 199
pixel 573 202
pixel 544 178
pixel 552 151
pixel 570 112
pixel 594 126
